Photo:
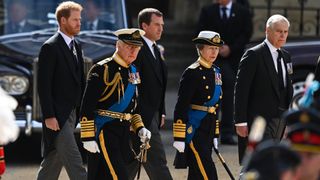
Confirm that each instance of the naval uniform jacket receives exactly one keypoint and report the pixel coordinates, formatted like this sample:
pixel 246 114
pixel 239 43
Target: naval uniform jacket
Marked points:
pixel 106 83
pixel 107 87
pixel 60 84
pixel 196 87
pixel 257 90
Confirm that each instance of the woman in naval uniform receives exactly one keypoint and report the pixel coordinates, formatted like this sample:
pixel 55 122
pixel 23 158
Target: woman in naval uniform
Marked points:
pixel 195 116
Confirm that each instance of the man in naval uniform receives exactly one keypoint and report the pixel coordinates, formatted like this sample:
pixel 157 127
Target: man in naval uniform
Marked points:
pixel 109 109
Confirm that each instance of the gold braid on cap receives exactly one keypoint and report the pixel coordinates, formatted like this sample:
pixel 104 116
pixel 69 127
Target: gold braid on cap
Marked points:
pixel 216 39
pixel 115 83
pixel 136 35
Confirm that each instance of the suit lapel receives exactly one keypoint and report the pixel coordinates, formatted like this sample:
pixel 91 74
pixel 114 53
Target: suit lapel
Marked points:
pixel 68 57
pixel 271 68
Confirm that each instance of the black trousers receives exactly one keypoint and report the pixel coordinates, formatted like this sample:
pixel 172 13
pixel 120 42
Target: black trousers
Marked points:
pixel 110 163
pixel 156 165
pixel 274 130
pixel 199 160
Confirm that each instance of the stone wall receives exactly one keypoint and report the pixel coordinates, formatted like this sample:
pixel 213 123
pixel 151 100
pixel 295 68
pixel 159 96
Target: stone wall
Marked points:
pixel 185 13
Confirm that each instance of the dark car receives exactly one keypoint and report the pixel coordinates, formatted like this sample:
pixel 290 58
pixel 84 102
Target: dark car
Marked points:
pixel 304 55
pixel 19 48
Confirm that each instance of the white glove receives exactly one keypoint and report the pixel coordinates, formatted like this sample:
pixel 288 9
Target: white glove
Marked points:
pixel 144 134
pixel 91 146
pixel 215 143
pixel 179 145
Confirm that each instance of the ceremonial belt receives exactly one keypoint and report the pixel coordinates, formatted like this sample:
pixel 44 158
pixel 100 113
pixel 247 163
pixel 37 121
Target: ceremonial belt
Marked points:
pixel 117 107
pixel 209 109
pixel 115 115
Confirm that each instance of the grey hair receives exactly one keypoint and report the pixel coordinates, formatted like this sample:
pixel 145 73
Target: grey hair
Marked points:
pixel 275 19
pixel 199 47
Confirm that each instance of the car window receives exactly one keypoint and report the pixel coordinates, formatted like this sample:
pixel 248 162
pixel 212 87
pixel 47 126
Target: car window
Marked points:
pixel 18 16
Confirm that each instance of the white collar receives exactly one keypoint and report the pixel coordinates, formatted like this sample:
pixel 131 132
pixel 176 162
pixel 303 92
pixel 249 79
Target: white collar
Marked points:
pixel 271 47
pixel 66 38
pixel 149 42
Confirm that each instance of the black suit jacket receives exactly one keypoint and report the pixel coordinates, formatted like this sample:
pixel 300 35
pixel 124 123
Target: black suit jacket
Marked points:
pixel 257 90
pixel 153 84
pixel 60 84
pixel 236 32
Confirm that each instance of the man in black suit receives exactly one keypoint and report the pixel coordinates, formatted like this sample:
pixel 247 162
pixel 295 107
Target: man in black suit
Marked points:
pixel 92 21
pixel 18 12
pixel 153 73
pixel 233 22
pixel 60 86
pixel 262 88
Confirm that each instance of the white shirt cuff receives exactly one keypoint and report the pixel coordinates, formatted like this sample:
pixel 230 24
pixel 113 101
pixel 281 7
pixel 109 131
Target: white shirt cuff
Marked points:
pixel 241 124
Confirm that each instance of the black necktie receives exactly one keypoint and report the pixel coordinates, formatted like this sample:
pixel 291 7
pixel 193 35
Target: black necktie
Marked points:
pixel 280 74
pixel 73 50
pixel 224 14
pixel 157 57
pixel 156 51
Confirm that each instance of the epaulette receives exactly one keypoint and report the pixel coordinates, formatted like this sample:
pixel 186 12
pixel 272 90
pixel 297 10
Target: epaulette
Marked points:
pixel 194 65
pixel 100 63
pixel 104 61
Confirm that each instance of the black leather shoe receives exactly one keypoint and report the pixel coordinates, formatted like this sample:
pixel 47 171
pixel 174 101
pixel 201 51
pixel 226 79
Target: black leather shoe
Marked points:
pixel 230 140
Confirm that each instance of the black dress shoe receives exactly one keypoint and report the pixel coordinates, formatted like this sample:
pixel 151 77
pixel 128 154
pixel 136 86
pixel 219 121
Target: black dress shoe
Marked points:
pixel 229 140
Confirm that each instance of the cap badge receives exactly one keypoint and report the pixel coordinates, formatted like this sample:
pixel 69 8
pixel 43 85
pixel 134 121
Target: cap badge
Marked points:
pixel 216 39
pixel 136 35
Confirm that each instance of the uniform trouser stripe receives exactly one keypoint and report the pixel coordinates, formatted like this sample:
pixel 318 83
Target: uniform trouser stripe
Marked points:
pixel 106 156
pixel 200 165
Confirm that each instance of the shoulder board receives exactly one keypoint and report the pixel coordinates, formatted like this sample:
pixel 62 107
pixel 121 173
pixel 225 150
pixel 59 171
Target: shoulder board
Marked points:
pixel 194 65
pixel 104 61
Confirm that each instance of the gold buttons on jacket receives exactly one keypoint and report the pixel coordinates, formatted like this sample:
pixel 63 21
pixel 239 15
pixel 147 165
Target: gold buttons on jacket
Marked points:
pixel 119 68
pixel 209 97
pixel 207 87
pixel 203 77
